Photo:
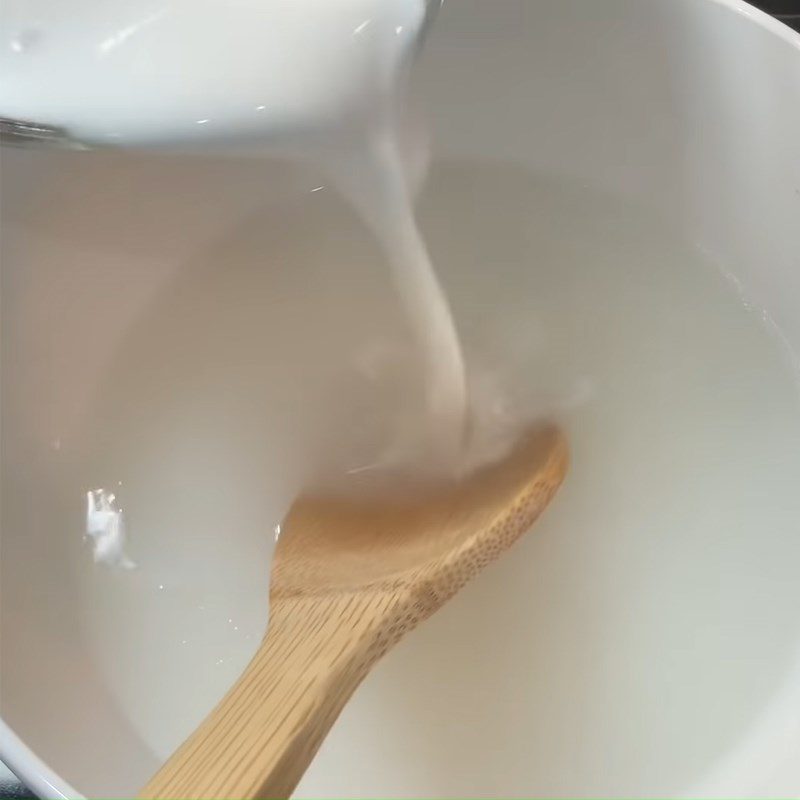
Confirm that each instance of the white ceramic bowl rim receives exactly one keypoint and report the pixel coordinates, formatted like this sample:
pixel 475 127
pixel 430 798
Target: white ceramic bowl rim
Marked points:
pixel 34 772
pixel 29 768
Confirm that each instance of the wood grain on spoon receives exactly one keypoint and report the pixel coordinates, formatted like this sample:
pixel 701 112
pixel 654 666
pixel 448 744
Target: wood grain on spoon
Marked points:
pixel 348 581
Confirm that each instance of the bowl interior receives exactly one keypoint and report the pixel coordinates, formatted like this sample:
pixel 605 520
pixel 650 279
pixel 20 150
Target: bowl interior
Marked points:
pixel 653 657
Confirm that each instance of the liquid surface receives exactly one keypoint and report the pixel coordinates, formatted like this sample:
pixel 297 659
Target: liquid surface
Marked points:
pixel 680 405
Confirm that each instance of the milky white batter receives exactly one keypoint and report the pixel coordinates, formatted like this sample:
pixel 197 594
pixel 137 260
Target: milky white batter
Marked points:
pixel 151 72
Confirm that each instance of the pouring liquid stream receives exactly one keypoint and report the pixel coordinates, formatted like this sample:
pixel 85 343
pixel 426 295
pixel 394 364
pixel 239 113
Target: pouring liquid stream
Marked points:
pixel 377 185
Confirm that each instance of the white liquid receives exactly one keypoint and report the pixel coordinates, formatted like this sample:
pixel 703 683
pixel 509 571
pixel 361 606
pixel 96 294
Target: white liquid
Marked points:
pixel 680 407
pixel 144 72
pixel 208 373
pixel 375 181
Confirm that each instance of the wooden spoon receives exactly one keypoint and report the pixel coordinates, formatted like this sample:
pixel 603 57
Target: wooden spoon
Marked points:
pixel 348 581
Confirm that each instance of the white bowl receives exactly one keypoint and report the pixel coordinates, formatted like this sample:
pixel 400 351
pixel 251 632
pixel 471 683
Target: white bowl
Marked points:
pixel 689 108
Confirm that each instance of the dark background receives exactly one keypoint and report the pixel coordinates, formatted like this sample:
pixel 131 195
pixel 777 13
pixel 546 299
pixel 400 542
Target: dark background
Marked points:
pixel 787 11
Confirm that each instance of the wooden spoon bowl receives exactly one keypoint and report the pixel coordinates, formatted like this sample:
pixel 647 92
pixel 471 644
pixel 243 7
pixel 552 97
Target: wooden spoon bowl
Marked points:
pixel 349 579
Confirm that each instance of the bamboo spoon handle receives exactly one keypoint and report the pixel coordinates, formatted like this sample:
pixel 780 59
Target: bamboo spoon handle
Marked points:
pixel 347 581
pixel 259 740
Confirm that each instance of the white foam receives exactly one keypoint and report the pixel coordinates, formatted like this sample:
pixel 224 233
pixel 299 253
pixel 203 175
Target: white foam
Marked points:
pixel 105 526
